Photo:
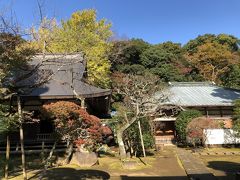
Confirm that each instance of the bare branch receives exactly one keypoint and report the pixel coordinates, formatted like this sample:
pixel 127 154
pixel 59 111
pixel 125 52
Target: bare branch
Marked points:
pixel 40 6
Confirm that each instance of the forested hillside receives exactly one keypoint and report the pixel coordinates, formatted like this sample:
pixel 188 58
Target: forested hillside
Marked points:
pixel 208 57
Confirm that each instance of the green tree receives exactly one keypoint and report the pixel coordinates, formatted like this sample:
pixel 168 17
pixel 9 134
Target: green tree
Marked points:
pixel 8 124
pixel 222 39
pixel 165 60
pixel 183 119
pixel 228 40
pixel 232 77
pixel 211 55
pixel 155 56
pixel 8 120
pixel 126 52
pixel 212 60
pixel 192 45
pixel 14 56
pixel 236 117
pixel 173 48
pixel 167 72
pixel 135 69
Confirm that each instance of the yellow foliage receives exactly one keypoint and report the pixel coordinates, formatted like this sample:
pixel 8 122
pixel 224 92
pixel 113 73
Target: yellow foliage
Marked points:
pixel 81 33
pixel 212 59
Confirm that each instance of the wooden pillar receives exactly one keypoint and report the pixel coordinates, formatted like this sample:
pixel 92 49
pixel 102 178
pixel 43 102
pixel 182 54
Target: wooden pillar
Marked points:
pixel 83 103
pixel 206 111
pixel 109 104
pixel 152 125
pixel 221 111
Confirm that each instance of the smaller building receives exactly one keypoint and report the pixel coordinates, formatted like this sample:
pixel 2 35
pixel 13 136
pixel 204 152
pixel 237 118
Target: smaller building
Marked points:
pixel 213 101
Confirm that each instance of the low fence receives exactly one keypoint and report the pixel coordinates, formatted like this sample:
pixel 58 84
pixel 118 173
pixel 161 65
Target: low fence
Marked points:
pixel 33 147
pixel 220 136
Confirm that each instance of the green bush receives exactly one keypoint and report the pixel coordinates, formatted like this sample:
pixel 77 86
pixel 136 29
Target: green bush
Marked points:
pixel 148 140
pixel 236 117
pixel 182 121
pixel 132 134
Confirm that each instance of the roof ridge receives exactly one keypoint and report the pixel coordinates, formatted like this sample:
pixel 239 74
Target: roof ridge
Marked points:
pixel 204 83
pixel 59 56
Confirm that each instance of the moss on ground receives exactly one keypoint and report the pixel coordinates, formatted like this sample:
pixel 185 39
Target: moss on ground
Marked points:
pixel 163 163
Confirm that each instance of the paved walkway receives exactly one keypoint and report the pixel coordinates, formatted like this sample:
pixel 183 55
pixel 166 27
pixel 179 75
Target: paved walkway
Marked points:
pixel 194 167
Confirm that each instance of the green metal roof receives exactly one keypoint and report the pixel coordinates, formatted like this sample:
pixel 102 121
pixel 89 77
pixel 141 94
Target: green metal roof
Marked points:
pixel 201 94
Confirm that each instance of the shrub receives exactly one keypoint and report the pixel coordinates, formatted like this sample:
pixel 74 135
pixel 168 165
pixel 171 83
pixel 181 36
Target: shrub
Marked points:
pixel 148 140
pixel 236 117
pixel 236 127
pixel 74 124
pixel 182 121
pixel 195 129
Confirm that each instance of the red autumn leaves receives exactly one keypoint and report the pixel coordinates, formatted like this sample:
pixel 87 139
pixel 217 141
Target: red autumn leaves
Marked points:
pixel 75 124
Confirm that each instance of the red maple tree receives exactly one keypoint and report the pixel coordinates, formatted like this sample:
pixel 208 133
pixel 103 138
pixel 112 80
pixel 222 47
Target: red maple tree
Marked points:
pixel 74 124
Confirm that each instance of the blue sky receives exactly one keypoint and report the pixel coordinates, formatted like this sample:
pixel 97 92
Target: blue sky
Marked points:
pixel 155 21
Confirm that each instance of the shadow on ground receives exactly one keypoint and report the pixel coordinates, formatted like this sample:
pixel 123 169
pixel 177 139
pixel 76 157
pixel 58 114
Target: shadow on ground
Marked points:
pixel 229 168
pixel 72 174
pixel 153 178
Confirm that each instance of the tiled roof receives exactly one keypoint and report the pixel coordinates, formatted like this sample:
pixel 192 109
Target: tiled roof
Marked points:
pixel 65 71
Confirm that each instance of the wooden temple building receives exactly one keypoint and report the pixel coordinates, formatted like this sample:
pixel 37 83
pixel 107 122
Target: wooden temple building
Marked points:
pixel 213 101
pixel 57 77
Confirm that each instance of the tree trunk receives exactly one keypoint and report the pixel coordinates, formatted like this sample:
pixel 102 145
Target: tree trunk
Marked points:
pixel 130 147
pixel 43 173
pixel 50 156
pixel 121 146
pixel 69 153
pixel 120 131
pixel 141 137
pixel 7 157
pixel 23 153
pixel 21 138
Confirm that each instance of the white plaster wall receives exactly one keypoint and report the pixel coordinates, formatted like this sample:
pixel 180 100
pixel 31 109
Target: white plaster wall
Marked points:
pixel 221 136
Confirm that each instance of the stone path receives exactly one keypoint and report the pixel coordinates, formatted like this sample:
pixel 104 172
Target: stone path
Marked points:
pixel 194 167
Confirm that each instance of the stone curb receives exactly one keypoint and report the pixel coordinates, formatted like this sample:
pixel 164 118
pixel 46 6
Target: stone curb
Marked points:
pixel 216 153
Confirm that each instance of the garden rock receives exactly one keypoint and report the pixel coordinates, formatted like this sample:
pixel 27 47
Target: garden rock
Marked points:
pixel 84 159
